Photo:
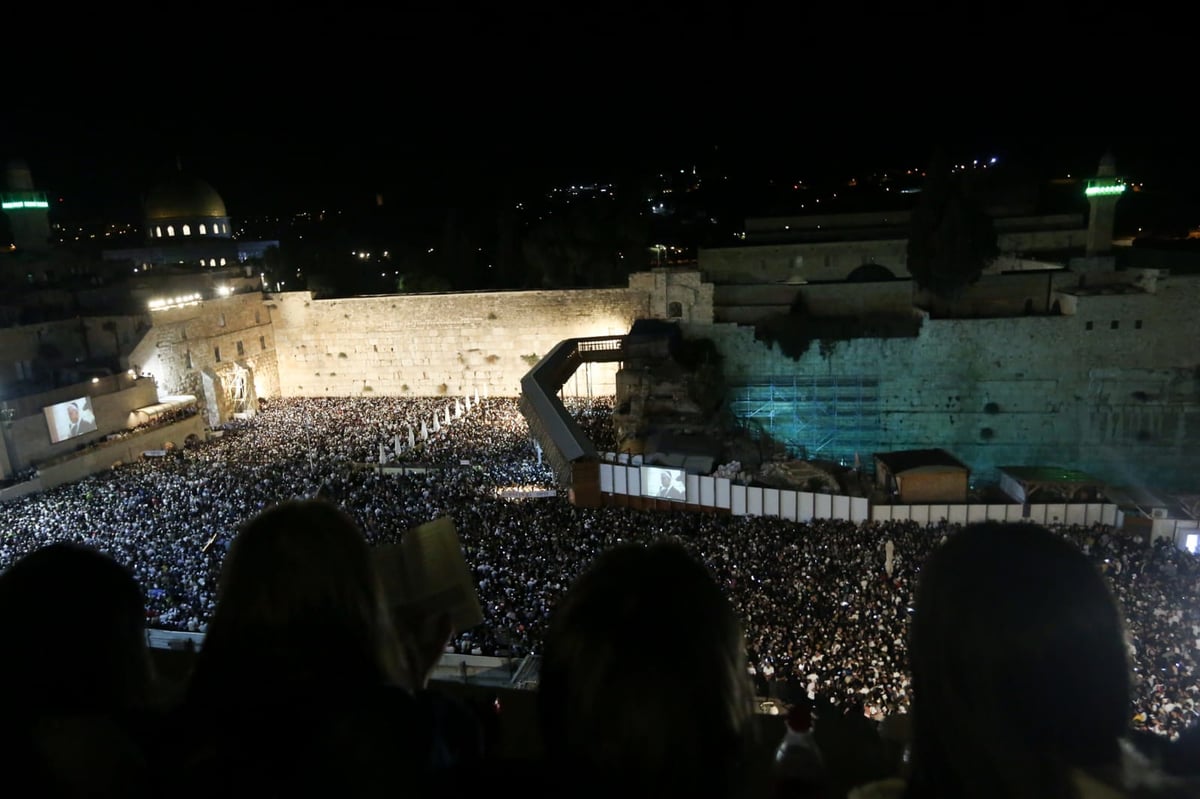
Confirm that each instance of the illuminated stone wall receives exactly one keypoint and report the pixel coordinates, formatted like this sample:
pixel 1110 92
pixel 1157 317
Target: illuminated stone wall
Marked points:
pixel 1121 402
pixel 433 344
pixel 184 341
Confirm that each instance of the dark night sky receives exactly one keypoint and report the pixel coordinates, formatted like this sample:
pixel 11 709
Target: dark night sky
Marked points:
pixel 283 115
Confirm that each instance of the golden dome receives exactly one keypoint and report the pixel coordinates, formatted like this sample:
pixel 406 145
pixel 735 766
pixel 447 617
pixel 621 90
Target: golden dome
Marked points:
pixel 181 196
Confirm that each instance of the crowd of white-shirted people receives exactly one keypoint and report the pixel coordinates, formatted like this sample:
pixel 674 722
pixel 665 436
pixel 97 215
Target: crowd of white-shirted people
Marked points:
pixel 822 614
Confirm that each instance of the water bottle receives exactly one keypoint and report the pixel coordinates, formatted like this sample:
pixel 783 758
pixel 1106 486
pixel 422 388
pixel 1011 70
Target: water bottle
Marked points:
pixel 799 769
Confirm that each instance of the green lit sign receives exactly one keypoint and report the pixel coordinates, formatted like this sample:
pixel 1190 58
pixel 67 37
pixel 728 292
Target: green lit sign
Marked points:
pixel 24 204
pixel 1101 191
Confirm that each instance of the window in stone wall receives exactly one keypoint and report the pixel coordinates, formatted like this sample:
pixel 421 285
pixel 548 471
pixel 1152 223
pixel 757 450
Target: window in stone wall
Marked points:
pixel 222 262
pixel 188 356
pixel 1088 326
pixel 221 320
pixel 187 230
pixel 1114 324
pixel 170 230
pixel 241 350
pixel 257 317
pixel 674 309
pixel 158 231
pixel 1137 324
pixel 217 354
pixel 262 342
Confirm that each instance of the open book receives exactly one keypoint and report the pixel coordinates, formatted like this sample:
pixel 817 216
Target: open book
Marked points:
pixel 426 572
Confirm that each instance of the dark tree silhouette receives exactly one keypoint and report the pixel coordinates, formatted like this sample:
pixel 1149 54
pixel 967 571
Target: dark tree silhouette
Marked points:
pixel 951 239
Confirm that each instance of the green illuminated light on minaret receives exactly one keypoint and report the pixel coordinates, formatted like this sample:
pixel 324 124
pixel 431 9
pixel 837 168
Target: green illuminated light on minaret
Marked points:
pixel 12 200
pixel 1104 190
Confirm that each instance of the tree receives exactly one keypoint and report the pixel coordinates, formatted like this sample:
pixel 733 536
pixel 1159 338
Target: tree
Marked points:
pixel 951 238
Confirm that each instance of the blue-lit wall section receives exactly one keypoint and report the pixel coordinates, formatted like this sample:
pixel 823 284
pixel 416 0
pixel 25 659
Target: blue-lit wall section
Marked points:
pixel 820 417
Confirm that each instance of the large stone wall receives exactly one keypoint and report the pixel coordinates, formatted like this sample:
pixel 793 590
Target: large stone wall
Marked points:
pixel 1122 402
pixel 454 344
pixel 218 337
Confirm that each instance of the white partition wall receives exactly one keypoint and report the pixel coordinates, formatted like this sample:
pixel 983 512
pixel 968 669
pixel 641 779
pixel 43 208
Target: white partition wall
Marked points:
pixel 754 501
pixel 633 479
pixel 606 478
pixel 693 489
pixel 841 507
pixel 956 514
pixel 920 514
pixel 619 484
pixel 737 500
pixel 788 505
pixel 770 502
pixel 723 486
pixel 1037 514
pixel 1095 513
pixel 976 513
pixel 807 506
pixel 1016 513
pixel 822 506
pixel 997 513
pixel 1056 512
pixel 1076 513
pixel 708 492
pixel 860 509
pixel 881 513
pixel 1111 517
pixel 938 512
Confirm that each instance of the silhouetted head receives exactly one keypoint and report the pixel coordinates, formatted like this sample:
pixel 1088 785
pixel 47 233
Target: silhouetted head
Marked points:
pixel 72 628
pixel 1020 666
pixel 644 683
pixel 299 600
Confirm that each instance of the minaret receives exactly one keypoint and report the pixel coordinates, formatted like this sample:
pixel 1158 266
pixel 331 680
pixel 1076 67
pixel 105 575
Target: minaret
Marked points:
pixel 27 210
pixel 1103 192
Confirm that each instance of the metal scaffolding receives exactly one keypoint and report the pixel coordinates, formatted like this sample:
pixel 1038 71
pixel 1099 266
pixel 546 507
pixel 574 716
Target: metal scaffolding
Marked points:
pixel 821 417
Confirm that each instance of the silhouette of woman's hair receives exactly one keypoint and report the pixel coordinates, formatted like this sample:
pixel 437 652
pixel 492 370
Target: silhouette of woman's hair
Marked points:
pixel 1020 666
pixel 299 598
pixel 644 682
pixel 72 623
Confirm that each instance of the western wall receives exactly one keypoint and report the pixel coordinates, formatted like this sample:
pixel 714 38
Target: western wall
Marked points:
pixel 1111 386
pixel 457 344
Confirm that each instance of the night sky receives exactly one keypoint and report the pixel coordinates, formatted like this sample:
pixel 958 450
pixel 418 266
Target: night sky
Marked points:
pixel 431 102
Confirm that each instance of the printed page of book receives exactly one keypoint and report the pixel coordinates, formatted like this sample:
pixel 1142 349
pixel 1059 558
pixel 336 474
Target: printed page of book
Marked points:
pixel 427 572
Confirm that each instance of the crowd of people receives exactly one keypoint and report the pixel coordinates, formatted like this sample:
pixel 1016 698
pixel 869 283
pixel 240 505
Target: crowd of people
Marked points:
pixel 826 611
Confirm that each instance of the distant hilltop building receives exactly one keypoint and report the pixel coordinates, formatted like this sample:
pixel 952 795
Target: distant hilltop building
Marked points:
pixel 186 224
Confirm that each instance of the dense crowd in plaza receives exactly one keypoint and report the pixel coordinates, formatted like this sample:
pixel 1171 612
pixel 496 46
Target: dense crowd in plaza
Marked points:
pixel 822 614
